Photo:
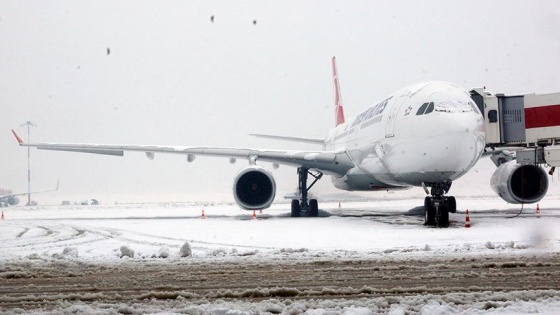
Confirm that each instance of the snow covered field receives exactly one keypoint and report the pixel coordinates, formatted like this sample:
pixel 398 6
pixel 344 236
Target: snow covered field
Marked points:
pixel 356 231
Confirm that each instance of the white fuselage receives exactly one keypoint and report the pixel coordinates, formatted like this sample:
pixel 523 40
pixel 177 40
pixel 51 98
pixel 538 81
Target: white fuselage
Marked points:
pixel 430 132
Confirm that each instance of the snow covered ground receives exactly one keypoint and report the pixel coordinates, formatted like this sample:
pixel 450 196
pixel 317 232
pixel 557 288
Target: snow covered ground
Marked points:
pixel 357 230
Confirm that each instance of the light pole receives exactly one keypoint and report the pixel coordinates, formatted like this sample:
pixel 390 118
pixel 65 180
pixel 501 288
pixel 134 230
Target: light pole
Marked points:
pixel 28 124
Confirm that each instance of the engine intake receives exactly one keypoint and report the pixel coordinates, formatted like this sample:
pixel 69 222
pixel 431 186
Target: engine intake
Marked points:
pixel 517 183
pixel 13 200
pixel 254 188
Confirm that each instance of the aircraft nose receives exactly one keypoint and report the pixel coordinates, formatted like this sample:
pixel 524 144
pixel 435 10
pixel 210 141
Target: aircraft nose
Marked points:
pixel 463 139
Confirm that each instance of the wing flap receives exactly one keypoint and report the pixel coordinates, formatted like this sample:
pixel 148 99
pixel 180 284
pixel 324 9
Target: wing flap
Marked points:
pixel 103 152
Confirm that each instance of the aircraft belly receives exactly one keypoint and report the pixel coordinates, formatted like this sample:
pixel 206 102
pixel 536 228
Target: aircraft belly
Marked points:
pixel 359 182
pixel 369 174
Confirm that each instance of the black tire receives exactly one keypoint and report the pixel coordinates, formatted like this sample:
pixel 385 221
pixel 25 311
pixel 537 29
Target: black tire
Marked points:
pixel 451 204
pixel 313 208
pixel 443 216
pixel 429 212
pixel 296 208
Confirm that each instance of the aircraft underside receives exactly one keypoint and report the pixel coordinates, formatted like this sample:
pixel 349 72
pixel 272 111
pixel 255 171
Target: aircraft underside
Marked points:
pixel 437 206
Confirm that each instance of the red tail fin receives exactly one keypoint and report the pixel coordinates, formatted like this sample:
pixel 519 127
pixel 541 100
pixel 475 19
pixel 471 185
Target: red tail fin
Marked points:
pixel 339 110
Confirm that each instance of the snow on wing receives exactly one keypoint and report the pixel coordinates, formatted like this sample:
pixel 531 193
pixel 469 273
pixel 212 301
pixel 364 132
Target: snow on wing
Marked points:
pixel 334 162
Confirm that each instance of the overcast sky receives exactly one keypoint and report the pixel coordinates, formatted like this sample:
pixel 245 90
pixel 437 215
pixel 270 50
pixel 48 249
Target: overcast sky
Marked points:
pixel 161 72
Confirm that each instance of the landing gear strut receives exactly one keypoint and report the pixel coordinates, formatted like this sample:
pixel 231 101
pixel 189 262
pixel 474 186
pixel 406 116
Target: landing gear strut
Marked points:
pixel 307 206
pixel 438 207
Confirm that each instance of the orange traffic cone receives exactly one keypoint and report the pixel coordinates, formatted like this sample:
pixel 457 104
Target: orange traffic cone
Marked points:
pixel 467 220
pixel 538 211
pixel 2 218
pixel 203 216
pixel 254 215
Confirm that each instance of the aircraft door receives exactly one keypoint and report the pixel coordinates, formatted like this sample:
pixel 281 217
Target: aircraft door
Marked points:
pixel 390 127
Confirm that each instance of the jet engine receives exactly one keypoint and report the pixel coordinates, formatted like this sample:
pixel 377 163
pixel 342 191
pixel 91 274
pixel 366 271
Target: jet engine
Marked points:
pixel 517 183
pixel 12 200
pixel 254 188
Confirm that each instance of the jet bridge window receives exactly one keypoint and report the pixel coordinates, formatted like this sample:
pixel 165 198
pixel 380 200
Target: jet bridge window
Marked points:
pixel 426 108
pixel 493 116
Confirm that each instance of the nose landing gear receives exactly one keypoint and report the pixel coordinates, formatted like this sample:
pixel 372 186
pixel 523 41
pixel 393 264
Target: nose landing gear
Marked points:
pixel 438 207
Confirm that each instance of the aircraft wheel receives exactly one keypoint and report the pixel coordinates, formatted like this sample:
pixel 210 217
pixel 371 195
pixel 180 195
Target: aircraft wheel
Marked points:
pixel 443 217
pixel 313 208
pixel 296 208
pixel 429 212
pixel 451 204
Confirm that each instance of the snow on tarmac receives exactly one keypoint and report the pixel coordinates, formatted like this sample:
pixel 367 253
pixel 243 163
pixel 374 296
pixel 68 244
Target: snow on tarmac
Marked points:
pixel 358 230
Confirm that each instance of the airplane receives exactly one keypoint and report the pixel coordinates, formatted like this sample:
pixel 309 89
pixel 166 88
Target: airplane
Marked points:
pixel 12 199
pixel 426 135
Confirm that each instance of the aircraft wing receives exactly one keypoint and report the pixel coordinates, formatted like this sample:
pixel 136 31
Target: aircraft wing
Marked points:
pixel 333 162
pixel 33 192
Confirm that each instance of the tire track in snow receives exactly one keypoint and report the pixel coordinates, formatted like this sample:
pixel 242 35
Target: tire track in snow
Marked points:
pixel 53 237
pixel 118 234
pixel 25 230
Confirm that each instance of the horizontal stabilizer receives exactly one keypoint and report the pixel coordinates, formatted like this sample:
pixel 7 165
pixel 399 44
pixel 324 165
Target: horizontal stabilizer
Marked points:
pixel 291 139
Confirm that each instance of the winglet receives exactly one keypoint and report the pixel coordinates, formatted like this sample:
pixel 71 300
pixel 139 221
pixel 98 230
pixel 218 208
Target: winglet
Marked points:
pixel 339 110
pixel 17 137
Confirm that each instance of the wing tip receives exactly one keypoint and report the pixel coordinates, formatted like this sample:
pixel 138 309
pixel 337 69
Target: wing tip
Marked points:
pixel 17 137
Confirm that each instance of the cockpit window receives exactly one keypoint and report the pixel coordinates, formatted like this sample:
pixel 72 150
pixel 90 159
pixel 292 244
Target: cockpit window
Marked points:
pixel 474 107
pixel 426 108
pixel 422 109
pixel 430 108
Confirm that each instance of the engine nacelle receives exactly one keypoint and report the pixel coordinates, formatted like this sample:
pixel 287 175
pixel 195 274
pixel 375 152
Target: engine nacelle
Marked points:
pixel 516 183
pixel 12 201
pixel 254 188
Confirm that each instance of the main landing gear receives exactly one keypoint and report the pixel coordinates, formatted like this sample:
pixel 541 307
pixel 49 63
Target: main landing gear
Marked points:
pixel 306 207
pixel 437 207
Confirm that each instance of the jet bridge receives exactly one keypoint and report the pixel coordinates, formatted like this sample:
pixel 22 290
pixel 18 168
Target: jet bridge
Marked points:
pixel 530 121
